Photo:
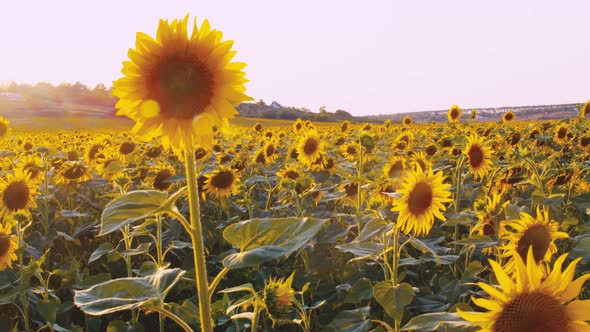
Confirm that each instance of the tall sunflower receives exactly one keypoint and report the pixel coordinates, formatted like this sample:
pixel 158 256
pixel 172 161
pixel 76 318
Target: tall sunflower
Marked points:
pixel 508 117
pixel 561 133
pixel 423 195
pixel 528 232
pixel 479 155
pixel 530 302
pixel 454 114
pixel 4 127
pixel 8 246
pixel 584 110
pixel 180 86
pixel 407 120
pixel 221 182
pixel 17 193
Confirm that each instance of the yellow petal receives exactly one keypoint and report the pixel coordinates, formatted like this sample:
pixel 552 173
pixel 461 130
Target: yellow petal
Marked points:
pixel 579 310
pixel 573 289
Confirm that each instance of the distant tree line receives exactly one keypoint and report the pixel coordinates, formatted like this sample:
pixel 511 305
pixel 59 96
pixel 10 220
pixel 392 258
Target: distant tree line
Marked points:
pixel 45 95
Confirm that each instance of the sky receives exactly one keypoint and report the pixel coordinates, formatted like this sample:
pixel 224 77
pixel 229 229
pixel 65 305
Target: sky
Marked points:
pixel 365 57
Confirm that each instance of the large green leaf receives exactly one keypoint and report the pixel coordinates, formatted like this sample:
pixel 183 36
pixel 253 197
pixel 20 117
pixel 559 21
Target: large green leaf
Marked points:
pixel 350 321
pixel 127 293
pixel 437 321
pixel 393 298
pixel 262 240
pixel 130 207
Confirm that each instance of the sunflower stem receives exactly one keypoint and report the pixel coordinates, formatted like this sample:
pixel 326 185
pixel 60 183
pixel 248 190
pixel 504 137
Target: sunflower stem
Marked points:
pixel 197 239
pixel 25 311
pixel 396 257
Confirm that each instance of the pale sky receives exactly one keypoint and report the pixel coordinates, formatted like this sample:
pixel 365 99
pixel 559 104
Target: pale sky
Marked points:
pixel 366 57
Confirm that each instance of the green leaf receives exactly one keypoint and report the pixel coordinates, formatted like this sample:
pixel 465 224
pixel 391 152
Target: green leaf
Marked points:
pixel 127 293
pixel 262 240
pixel 374 227
pixel 393 298
pixel 436 321
pixel 361 290
pixel 350 321
pixel 48 310
pixel 131 207
pixel 363 249
pixel 102 250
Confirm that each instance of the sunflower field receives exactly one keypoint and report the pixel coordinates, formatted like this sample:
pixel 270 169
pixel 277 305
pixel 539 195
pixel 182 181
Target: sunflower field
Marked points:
pixel 183 223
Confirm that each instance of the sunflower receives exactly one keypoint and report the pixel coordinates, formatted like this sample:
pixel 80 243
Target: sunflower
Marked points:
pixel 454 114
pixel 422 198
pixel 109 164
pixel 394 168
pixel 350 151
pixel 33 165
pixel 4 127
pixel 310 147
pixel 420 159
pixel 73 172
pixel 561 134
pixel 508 117
pixel 478 155
pixel 530 302
pixel 271 151
pixel 486 213
pixel 8 246
pixel 94 153
pixel 180 87
pixel 17 193
pixel 584 110
pixel 160 179
pixel 528 232
pixel 407 120
pixel 221 182
pixel 297 126
pixel 126 148
pixel 279 296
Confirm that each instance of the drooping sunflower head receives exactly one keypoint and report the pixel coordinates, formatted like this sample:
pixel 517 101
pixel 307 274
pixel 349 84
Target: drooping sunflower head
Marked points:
pixel 73 172
pixel 423 195
pixel 486 212
pixel 478 155
pixel 94 152
pixel 310 147
pixel 473 114
pixel 394 168
pixel 538 233
pixel 17 193
pixel 4 127
pixel 8 246
pixel 508 117
pixel 180 86
pixel 221 183
pixel 454 114
pixel 529 301
pixel 160 179
pixel 279 296
pixel 345 126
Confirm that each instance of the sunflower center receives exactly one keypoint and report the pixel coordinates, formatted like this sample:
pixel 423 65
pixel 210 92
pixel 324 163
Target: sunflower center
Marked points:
pixel 311 146
pixel 539 238
pixel 561 133
pixel 454 113
pixel 352 189
pixel 533 312
pixel 509 116
pixel 32 169
pixel 92 154
pixel 291 175
pixel 223 180
pixel 16 195
pixel 585 141
pixel 270 150
pixel 420 198
pixel 4 244
pixel 475 154
pixel 182 85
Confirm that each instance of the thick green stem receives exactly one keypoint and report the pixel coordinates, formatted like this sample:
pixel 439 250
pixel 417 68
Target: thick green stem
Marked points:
pixel 396 257
pixel 197 239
